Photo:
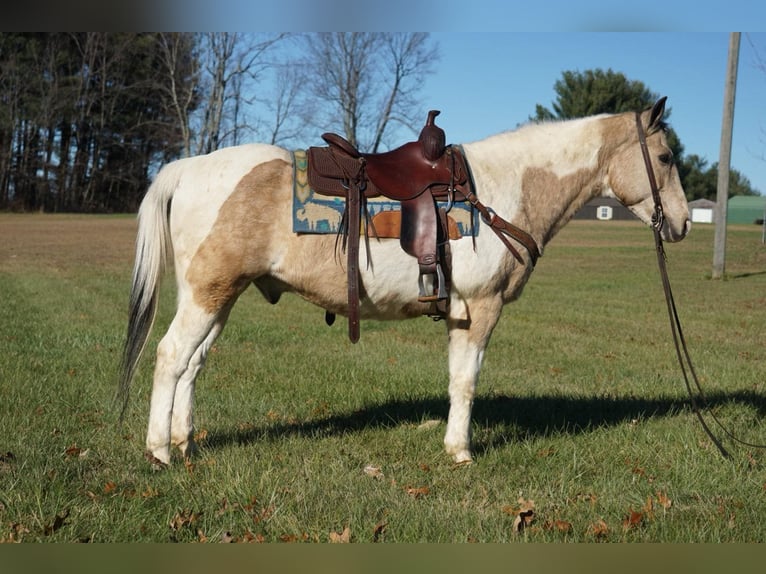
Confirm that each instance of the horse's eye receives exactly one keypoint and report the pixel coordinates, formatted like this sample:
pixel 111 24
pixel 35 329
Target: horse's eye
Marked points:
pixel 666 158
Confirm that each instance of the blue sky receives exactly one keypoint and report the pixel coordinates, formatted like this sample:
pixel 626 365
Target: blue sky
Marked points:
pixel 490 82
pixel 508 55
pixel 501 57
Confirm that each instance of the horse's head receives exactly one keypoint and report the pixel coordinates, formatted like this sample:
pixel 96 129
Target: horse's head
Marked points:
pixel 629 174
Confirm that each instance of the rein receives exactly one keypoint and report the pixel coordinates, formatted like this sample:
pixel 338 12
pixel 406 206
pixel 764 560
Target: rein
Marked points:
pixel 682 352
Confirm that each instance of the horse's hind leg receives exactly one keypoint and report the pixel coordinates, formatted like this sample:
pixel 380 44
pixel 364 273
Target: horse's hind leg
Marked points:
pixel 182 420
pixel 180 356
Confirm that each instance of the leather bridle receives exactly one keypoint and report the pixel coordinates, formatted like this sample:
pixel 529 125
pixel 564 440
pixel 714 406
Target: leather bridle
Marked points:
pixel 682 352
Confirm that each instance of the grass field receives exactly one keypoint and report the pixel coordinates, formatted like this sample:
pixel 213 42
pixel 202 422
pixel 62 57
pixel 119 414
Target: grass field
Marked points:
pixel 582 427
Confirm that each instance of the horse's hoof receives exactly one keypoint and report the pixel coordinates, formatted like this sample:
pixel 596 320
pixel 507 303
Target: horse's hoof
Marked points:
pixel 462 458
pixel 156 463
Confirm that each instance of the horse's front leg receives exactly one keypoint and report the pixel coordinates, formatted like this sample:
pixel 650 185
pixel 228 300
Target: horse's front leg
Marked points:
pixel 467 341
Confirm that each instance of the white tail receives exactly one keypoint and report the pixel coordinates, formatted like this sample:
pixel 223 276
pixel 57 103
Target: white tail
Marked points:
pixel 153 250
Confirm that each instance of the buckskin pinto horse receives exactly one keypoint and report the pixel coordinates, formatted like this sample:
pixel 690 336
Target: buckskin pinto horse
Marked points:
pixel 225 220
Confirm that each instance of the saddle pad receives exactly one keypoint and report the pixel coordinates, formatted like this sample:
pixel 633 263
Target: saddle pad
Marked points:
pixel 315 213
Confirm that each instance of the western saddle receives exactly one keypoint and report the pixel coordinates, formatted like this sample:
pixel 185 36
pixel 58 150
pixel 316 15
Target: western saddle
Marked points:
pixel 416 174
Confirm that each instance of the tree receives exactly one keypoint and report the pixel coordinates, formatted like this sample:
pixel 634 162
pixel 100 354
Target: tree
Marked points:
pixel 230 62
pixel 82 122
pixel 597 91
pixel 369 81
pixel 701 181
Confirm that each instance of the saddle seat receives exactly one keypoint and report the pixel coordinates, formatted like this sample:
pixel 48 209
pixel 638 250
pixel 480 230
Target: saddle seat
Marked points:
pixel 403 174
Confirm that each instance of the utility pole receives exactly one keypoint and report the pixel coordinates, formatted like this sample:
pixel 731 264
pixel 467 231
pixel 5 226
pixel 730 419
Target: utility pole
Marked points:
pixel 724 161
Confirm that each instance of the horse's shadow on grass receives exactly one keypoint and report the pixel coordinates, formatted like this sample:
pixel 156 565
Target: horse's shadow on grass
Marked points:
pixel 508 418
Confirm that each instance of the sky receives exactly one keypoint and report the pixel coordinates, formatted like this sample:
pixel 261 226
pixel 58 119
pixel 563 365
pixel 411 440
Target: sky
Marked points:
pixel 490 82
pixel 499 58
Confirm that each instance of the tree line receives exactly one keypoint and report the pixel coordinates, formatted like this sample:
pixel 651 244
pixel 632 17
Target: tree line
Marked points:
pixel 87 118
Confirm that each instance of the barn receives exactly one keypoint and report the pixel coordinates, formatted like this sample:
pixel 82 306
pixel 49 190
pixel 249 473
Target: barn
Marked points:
pixel 604 209
pixel 702 211
pixel 746 209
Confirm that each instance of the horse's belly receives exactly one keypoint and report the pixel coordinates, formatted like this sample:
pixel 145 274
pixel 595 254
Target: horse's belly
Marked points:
pixel 315 270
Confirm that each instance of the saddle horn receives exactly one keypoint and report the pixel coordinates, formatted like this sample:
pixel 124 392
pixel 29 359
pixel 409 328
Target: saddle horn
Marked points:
pixel 432 138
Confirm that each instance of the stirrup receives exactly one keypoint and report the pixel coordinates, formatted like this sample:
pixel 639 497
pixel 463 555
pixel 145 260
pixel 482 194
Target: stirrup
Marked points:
pixel 441 291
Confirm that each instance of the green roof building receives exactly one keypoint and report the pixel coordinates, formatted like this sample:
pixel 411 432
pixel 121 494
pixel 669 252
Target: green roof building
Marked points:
pixel 746 209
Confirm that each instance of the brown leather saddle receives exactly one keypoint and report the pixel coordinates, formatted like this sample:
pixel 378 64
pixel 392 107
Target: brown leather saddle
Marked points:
pixel 417 174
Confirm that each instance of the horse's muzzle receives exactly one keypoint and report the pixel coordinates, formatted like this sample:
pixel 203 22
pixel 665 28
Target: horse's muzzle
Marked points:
pixel 672 234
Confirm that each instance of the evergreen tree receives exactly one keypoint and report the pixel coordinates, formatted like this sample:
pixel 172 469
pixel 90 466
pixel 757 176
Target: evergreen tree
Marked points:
pixel 581 94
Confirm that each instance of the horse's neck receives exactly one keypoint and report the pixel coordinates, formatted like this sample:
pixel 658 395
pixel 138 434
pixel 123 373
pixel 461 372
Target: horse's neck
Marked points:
pixel 540 175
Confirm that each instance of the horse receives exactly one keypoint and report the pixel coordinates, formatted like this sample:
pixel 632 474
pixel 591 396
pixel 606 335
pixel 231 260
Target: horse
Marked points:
pixel 224 220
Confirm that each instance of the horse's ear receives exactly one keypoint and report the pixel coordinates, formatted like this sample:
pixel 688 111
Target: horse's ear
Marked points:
pixel 658 110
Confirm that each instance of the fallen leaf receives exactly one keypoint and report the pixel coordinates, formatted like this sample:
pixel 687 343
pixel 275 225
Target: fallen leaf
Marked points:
pixel 150 492
pixel 417 492
pixel 72 451
pixel 250 537
pixel 649 507
pixel 663 500
pixel 559 525
pixel 294 538
pixel 110 487
pixel 523 514
pixel 379 531
pixel 599 529
pixel 184 518
pixel 201 536
pixel 58 521
pixel 373 471
pixel 522 520
pixel 633 520
pixel 342 538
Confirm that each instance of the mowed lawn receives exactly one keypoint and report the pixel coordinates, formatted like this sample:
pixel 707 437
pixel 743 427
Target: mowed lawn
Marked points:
pixel 582 426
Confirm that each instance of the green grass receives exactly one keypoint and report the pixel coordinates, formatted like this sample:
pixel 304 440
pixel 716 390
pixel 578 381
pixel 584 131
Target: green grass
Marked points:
pixel 581 406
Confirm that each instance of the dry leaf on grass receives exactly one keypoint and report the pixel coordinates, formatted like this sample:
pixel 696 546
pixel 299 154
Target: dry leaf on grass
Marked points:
pixel 342 537
pixel 558 525
pixel 72 451
pixel 633 520
pixel 373 471
pixel 58 521
pixel 598 529
pixel 417 492
pixel 523 513
pixel 379 531
pixel 663 500
pixel 184 518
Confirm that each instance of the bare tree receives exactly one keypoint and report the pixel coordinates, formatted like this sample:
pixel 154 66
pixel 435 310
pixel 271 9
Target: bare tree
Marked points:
pixel 179 84
pixel 409 58
pixel 231 61
pixel 369 80
pixel 286 106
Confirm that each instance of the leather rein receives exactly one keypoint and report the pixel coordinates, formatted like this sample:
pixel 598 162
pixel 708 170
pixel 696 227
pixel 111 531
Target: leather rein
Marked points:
pixel 682 352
